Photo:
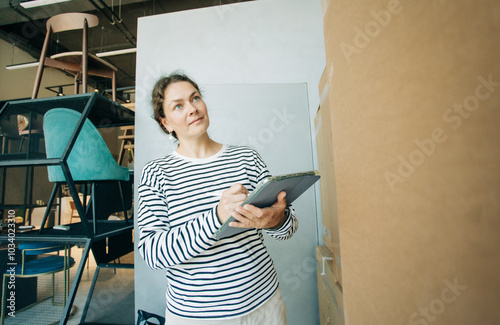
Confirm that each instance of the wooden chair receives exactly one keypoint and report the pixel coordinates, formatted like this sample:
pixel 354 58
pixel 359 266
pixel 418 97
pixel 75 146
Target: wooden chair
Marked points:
pixel 127 142
pixel 80 63
pixel 31 129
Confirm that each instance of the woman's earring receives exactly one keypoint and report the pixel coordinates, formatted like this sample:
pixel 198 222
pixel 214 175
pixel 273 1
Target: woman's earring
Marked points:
pixel 171 138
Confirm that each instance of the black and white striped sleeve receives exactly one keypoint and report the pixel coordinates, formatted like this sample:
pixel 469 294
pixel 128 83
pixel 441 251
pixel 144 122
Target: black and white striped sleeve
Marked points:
pixel 162 245
pixel 288 228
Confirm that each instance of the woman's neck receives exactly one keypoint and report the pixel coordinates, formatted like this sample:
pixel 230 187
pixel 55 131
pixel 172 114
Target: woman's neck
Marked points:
pixel 202 147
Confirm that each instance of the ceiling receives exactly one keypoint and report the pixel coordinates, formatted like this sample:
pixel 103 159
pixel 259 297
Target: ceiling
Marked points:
pixel 117 30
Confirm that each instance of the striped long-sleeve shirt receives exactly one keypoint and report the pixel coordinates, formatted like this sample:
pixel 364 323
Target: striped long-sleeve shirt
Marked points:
pixel 207 278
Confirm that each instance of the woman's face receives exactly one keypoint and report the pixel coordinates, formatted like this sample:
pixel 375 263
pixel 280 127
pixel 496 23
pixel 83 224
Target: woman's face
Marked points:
pixel 185 111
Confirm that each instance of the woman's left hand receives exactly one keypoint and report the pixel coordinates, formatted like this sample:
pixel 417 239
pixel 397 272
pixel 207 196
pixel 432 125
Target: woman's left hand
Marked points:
pixel 250 216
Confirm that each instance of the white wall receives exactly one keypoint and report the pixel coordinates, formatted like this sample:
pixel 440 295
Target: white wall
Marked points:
pixel 258 42
pixel 264 41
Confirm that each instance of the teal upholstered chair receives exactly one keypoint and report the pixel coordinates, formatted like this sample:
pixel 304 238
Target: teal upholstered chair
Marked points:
pixel 89 161
pixel 48 261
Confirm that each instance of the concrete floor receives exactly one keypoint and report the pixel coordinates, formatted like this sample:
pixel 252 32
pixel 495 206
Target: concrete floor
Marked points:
pixel 113 298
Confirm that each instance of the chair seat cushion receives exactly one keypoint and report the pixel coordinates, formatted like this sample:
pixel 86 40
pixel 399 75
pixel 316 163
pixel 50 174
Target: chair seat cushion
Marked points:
pixel 48 264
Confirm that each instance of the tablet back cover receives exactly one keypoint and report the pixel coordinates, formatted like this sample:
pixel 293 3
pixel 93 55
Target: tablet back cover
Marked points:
pixel 266 192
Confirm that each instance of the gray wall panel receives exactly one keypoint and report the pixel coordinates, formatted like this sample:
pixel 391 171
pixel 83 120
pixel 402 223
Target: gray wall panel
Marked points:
pixel 259 64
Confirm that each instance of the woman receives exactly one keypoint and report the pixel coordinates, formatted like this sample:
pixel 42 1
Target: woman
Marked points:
pixel 185 197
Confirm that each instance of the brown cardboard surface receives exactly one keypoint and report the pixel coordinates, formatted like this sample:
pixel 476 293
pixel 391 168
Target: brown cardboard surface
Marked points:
pixel 415 100
pixel 329 292
pixel 323 129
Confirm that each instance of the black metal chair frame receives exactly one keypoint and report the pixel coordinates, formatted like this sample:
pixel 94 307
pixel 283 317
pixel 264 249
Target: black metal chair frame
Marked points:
pixel 91 238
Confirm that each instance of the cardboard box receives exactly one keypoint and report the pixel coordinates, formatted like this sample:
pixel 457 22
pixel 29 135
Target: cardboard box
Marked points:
pixel 329 291
pixel 323 130
pixel 415 98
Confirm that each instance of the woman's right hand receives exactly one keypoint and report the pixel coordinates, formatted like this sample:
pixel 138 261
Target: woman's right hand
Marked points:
pixel 231 198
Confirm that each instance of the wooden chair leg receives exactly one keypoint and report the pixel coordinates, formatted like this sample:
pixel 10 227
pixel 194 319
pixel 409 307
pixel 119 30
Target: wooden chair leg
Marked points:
pixel 122 149
pixel 38 79
pixel 85 58
pixel 113 86
pixel 41 63
pixel 77 83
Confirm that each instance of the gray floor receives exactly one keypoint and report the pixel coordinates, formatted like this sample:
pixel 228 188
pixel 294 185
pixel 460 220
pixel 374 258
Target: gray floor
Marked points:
pixel 113 298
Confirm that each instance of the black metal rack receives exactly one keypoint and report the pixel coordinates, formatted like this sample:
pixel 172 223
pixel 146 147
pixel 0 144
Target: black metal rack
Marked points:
pixel 112 239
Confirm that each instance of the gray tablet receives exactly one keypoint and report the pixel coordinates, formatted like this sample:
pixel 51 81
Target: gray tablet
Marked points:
pixel 266 192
